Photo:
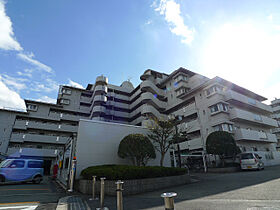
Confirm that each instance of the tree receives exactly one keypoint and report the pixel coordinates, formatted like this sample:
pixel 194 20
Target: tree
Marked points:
pixel 221 143
pixel 161 134
pixel 138 148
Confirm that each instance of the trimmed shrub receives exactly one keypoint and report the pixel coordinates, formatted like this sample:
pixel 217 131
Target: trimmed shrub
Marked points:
pixel 125 172
pixel 138 148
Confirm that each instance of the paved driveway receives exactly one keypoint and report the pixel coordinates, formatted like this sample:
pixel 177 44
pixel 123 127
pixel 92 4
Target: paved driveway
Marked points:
pixel 30 196
pixel 250 190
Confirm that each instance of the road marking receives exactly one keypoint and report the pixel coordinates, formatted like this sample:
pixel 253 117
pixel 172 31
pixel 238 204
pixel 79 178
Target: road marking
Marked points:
pixel 30 194
pixel 30 202
pixel 20 207
pixel 23 189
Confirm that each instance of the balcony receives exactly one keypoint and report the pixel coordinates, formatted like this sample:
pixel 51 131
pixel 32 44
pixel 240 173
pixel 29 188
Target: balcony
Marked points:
pixel 276 109
pixel 100 98
pixel 99 109
pixel 190 109
pixel 151 97
pixel 70 117
pixel 192 144
pixel 85 99
pixel 146 109
pixel 20 124
pixel 16 152
pixel 151 87
pixel 251 135
pixel 192 126
pixel 38 138
pixel 276 130
pixel 101 88
pixel 276 116
pixel 102 79
pixel 234 96
pixel 245 116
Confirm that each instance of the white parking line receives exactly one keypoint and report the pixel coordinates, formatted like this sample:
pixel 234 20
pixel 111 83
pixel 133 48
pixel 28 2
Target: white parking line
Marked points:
pixel 32 207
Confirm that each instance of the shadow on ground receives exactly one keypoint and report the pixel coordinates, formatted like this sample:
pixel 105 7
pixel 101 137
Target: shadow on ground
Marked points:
pixel 209 185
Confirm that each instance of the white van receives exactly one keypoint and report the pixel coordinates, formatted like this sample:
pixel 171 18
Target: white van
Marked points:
pixel 251 160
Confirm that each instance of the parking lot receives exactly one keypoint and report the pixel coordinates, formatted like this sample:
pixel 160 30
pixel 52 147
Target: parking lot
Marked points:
pixel 30 196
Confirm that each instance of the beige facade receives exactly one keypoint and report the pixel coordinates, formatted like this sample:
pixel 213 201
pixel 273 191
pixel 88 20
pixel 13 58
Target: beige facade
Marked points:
pixel 203 105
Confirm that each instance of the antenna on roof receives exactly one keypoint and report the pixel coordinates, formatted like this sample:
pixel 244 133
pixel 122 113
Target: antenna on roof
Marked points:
pixel 129 78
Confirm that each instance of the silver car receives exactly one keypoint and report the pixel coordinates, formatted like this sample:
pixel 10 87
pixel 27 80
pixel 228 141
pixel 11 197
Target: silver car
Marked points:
pixel 251 161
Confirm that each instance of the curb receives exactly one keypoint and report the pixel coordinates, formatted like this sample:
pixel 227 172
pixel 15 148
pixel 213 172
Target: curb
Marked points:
pixel 73 203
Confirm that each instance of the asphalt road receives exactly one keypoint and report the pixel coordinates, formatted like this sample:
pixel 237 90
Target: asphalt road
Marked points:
pixel 252 190
pixel 30 196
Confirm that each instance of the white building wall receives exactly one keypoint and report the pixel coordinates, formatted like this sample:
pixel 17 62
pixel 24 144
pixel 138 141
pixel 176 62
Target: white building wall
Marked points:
pixel 98 143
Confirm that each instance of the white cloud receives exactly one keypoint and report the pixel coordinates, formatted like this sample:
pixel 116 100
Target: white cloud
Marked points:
pixel 16 84
pixel 48 86
pixel 7 39
pixel 29 58
pixel 9 99
pixel 26 73
pixel 172 14
pixel 74 84
pixel 46 99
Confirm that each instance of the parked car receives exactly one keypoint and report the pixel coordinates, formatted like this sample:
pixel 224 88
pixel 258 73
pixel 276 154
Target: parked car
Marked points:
pixel 250 160
pixel 21 170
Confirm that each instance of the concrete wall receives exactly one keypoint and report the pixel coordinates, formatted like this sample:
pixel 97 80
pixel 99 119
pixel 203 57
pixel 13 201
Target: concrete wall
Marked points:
pixel 134 186
pixel 98 143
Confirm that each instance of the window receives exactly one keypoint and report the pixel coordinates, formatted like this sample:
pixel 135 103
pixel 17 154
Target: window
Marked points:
pixel 219 107
pixel 181 91
pixel 247 156
pixel 257 117
pixel 35 164
pixel 223 127
pixel 65 101
pixel 213 89
pixel 252 101
pixel 66 91
pixel 31 107
pixel 181 77
pixel 17 164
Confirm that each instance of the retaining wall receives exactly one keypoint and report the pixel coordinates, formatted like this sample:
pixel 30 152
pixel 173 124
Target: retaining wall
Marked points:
pixel 134 186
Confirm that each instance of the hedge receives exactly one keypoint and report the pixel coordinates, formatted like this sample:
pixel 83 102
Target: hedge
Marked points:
pixel 126 172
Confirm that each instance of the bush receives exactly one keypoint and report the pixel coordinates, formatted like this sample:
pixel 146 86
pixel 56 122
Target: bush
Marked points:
pixel 125 172
pixel 138 148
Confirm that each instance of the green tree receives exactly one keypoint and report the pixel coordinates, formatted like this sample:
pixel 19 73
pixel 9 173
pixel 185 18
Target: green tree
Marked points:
pixel 161 134
pixel 138 148
pixel 221 143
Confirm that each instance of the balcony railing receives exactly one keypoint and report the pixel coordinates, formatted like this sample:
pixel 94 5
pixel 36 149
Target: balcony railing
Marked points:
pixel 245 134
pixel 238 114
pixel 191 144
pixel 232 95
pixel 38 138
pixel 33 152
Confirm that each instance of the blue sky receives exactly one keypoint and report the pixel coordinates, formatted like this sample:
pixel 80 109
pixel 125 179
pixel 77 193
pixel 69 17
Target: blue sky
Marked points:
pixel 47 43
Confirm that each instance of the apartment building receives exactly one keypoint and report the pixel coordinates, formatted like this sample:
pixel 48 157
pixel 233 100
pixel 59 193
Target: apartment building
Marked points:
pixel 275 104
pixel 201 104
